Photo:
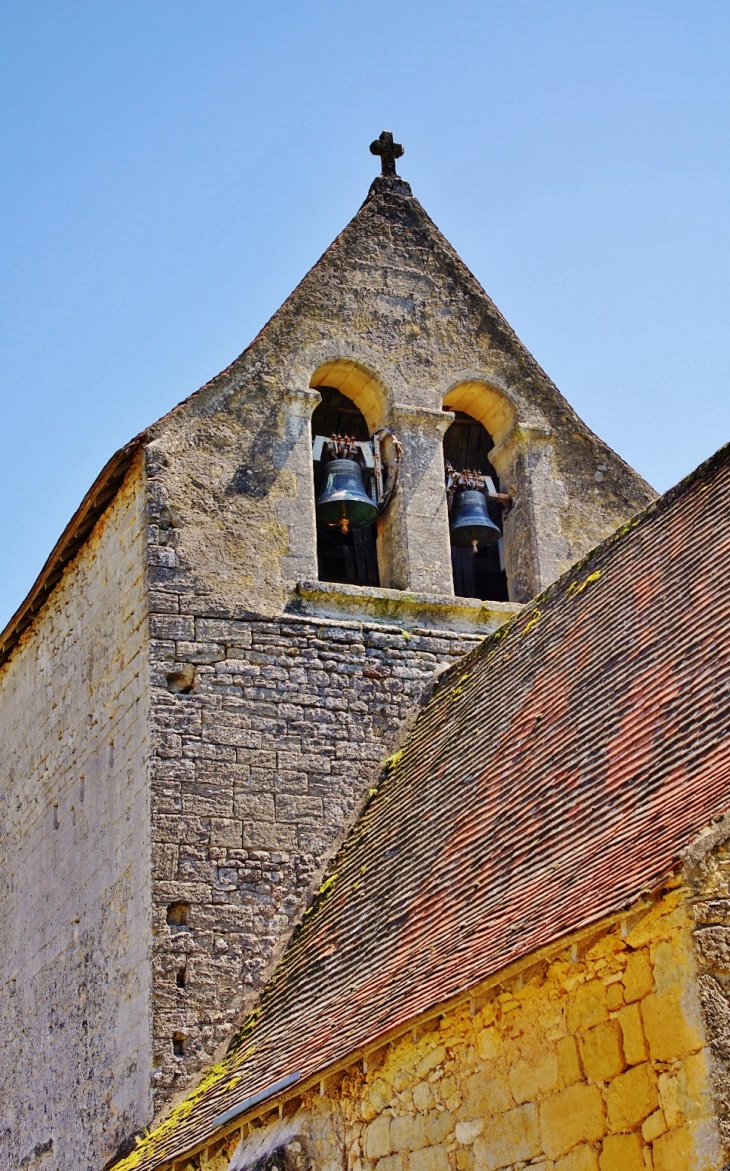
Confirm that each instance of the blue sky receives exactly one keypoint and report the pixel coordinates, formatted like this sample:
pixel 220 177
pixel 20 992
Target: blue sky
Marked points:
pixel 171 170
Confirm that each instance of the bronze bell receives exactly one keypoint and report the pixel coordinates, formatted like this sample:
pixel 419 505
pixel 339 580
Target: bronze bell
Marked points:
pixel 343 502
pixel 470 521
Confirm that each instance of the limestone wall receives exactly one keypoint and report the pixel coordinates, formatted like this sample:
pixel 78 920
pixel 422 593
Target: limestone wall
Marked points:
pixel 593 1059
pixel 259 766
pixel 75 1045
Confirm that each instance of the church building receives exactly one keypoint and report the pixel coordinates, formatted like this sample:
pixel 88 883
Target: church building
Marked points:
pixel 364 772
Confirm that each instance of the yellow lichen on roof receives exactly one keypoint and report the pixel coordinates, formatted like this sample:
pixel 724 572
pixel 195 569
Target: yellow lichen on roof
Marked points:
pixel 150 1144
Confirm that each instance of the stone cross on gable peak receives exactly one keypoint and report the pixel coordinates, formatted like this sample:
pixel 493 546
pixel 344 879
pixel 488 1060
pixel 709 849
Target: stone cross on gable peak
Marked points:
pixel 388 150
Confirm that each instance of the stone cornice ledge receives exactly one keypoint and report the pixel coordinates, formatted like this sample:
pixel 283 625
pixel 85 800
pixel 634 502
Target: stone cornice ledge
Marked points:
pixel 326 599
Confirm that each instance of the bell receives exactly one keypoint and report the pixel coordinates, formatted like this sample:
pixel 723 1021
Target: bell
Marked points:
pixel 471 523
pixel 343 502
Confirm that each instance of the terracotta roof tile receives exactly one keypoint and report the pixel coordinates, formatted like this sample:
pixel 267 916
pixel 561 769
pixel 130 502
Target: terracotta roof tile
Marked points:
pixel 556 773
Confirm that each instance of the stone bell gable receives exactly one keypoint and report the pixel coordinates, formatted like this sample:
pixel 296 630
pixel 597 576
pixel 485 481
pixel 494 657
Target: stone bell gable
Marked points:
pixel 391 317
pixel 193 706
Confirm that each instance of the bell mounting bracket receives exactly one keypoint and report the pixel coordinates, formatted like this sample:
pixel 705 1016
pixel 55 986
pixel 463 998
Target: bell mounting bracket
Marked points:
pixel 474 481
pixel 370 452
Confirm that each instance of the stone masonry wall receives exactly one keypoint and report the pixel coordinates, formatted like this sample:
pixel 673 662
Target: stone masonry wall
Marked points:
pixel 592 1059
pixel 268 734
pixel 75 970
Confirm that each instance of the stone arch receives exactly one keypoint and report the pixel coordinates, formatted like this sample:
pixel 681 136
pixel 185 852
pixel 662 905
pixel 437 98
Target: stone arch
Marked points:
pixel 489 406
pixel 358 383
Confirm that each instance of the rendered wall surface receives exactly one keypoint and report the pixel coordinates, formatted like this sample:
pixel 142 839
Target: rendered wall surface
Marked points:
pixel 595 1059
pixel 75 1027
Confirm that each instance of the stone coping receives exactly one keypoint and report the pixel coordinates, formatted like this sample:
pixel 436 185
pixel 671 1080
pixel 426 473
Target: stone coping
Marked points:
pixel 374 603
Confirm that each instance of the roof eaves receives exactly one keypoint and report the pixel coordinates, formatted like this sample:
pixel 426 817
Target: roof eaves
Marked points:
pixel 94 504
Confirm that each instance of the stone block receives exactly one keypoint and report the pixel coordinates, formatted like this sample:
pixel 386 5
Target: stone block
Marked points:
pixel 489 1044
pixel 256 807
pixel 675 1151
pixel 390 1163
pixel 508 1138
pixel 638 978
pixel 636 1048
pixel 269 835
pixel 423 1097
pixel 430 1159
pixel 632 1097
pixel 614 997
pixel 408 1133
pixel 486 1095
pixel 209 798
pixel 430 1061
pixel 200 652
pixel 162 603
pixel 622 1152
pixel 602 1052
pixel 223 631
pixel 439 1126
pixel 570 1067
pixel 164 861
pixel 377 1138
pixel 466 1132
pixel 227 832
pixel 573 1116
pixel 589 1007
pixel 533 1079
pixel 302 810
pixel 672 1023
pixel 653 1126
pixel 174 627
pixel 582 1158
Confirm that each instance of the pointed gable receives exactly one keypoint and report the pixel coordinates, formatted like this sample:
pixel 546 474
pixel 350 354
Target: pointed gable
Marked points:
pixel 392 317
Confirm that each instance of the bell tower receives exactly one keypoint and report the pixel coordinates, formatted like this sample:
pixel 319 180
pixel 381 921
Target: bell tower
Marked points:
pixel 276 572
pixel 382 478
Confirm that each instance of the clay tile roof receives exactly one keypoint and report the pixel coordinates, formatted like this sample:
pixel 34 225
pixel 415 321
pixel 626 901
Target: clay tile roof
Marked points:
pixel 556 774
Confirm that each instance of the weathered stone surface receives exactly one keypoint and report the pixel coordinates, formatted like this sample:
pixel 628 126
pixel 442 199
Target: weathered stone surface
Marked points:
pixel 632 1097
pixel 638 978
pixel 534 1078
pixel 635 1045
pixel 486 1095
pixel 622 1152
pixel 671 1023
pixel 589 1007
pixel 267 716
pixel 447 1087
pixel 602 1051
pixel 573 1116
pixel 75 939
pixel 257 771
pixel 377 1138
pixel 507 1138
pixel 582 1158
pixel 570 1067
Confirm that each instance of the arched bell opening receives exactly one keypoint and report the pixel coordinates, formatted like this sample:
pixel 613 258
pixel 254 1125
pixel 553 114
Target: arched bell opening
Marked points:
pixel 345 553
pixel 477 558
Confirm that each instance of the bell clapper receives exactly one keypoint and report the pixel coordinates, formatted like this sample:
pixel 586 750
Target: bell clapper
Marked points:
pixel 475 547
